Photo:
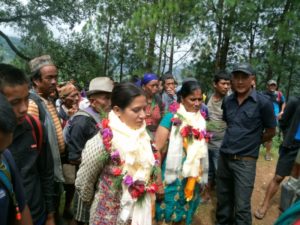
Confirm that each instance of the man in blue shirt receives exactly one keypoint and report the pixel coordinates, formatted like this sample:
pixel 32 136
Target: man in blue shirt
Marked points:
pixel 278 101
pixel 250 121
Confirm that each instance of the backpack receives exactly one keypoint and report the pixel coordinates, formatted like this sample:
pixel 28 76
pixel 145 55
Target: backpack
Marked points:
pixel 36 129
pixel 68 126
pixel 6 180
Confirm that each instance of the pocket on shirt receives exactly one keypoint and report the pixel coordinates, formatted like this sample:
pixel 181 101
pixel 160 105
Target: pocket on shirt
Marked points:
pixel 249 118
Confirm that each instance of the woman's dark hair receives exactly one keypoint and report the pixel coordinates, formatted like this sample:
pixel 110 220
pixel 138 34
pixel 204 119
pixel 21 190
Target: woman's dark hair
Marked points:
pixel 123 94
pixel 8 120
pixel 188 88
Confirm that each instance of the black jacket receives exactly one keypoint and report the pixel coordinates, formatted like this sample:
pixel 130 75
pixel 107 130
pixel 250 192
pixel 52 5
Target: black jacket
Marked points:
pixel 290 121
pixel 36 169
pixel 82 129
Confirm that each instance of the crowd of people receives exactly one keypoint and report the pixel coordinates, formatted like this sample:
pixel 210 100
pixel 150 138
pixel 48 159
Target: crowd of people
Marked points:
pixel 144 152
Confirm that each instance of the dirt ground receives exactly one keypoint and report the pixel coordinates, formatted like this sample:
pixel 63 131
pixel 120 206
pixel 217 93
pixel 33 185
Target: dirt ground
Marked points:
pixel 264 173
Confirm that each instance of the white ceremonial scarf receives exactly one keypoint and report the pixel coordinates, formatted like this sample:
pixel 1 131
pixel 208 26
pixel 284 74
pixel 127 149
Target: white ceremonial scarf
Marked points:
pixel 196 152
pixel 136 152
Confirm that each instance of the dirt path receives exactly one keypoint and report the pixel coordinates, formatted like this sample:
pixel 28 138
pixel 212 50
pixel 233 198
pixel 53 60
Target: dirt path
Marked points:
pixel 264 173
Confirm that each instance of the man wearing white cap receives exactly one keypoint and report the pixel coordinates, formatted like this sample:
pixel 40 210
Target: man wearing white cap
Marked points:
pixel 278 101
pixel 82 126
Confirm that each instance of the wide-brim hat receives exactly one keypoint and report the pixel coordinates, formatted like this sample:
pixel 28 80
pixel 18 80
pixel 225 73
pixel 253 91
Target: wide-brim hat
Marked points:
pixel 243 67
pixel 100 84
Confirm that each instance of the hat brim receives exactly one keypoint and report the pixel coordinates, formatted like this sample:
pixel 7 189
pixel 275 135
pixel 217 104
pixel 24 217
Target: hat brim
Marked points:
pixel 89 93
pixel 243 71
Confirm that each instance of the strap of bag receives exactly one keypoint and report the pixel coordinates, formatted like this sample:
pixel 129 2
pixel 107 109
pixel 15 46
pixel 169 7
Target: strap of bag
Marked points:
pixel 6 180
pixel 37 130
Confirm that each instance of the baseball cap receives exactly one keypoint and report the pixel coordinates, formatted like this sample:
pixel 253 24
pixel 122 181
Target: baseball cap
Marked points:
pixel 272 82
pixel 243 67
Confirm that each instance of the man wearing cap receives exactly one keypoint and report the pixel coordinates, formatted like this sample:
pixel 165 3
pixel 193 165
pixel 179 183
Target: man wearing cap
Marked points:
pixel 278 101
pixel 69 102
pixel 68 106
pixel 83 125
pixel 247 114
pixel 44 76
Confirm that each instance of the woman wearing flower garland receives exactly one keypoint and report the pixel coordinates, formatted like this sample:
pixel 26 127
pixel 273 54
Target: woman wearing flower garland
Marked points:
pixel 120 163
pixel 185 162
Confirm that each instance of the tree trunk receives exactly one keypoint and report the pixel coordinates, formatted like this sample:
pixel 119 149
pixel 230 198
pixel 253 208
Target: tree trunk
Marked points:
pixel 226 38
pixel 151 47
pixel 106 67
pixel 121 61
pixel 290 81
pixel 275 46
pixel 161 47
pixel 219 28
pixel 166 46
pixel 252 36
pixel 172 54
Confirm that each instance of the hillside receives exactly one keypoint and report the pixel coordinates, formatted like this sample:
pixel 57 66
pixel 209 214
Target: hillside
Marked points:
pixel 6 54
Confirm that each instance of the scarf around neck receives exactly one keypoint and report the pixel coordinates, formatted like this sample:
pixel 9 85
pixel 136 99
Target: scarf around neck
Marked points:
pixel 136 152
pixel 196 151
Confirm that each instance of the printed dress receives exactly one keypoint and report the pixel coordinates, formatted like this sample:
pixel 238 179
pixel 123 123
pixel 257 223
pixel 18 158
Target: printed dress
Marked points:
pixel 174 207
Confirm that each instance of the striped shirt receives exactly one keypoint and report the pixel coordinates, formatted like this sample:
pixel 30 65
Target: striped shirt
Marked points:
pixel 33 110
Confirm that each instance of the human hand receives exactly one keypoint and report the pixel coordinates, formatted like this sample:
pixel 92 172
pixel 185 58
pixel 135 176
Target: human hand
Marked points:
pixel 160 194
pixel 50 219
pixel 279 116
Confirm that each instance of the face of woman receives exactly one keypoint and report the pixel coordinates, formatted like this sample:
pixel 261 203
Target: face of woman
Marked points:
pixel 151 88
pixel 192 102
pixel 134 114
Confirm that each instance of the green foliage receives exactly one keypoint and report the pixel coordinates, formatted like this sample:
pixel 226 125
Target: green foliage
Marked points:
pixel 125 38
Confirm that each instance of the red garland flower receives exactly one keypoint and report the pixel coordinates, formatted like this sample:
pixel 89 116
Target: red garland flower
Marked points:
pixel 137 189
pixel 189 131
pixel 176 121
pixel 105 123
pixel 153 188
pixel 174 107
pixel 116 171
pixel 186 131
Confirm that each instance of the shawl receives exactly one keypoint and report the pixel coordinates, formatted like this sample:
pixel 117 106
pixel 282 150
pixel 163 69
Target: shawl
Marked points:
pixel 196 160
pixel 136 152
